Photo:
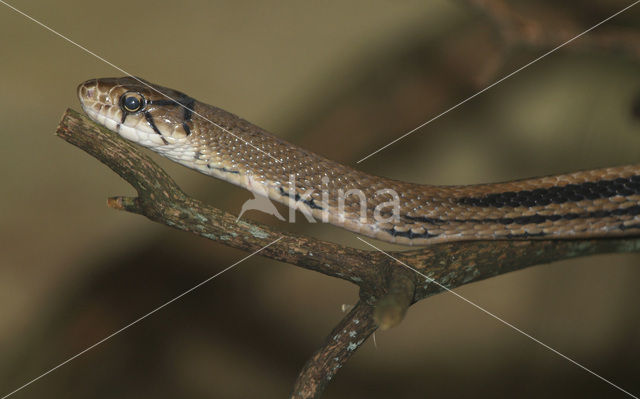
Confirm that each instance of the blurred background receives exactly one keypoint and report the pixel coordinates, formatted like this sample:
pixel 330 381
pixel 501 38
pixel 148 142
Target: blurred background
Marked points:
pixel 341 79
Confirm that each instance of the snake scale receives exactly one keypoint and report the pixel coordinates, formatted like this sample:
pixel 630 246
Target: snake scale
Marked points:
pixel 594 203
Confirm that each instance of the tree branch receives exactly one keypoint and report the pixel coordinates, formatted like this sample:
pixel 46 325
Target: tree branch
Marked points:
pixel 352 331
pixel 377 275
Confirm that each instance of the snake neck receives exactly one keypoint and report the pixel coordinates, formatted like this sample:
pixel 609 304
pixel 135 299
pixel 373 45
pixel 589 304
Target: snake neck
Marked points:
pixel 560 206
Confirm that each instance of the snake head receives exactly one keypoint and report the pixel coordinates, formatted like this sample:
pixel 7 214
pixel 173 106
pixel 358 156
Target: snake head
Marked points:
pixel 147 114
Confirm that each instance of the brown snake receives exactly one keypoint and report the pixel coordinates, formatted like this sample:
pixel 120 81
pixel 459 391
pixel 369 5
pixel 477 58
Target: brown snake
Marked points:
pixel 595 203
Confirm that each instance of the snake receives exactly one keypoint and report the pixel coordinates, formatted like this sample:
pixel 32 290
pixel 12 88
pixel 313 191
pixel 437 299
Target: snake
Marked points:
pixel 584 204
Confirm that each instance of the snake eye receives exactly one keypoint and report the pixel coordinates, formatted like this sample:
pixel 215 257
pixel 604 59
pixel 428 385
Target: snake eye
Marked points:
pixel 132 102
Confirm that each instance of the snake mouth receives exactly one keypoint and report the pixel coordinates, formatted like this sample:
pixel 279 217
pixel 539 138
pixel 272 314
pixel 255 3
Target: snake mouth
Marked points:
pixel 96 101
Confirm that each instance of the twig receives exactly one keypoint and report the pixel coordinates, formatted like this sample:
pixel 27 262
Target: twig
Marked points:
pixel 453 265
pixel 352 331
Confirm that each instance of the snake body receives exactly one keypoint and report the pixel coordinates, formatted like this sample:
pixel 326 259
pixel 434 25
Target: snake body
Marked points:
pixel 595 203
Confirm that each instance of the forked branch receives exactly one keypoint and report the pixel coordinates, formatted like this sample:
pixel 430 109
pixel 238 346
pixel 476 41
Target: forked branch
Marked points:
pixel 387 288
